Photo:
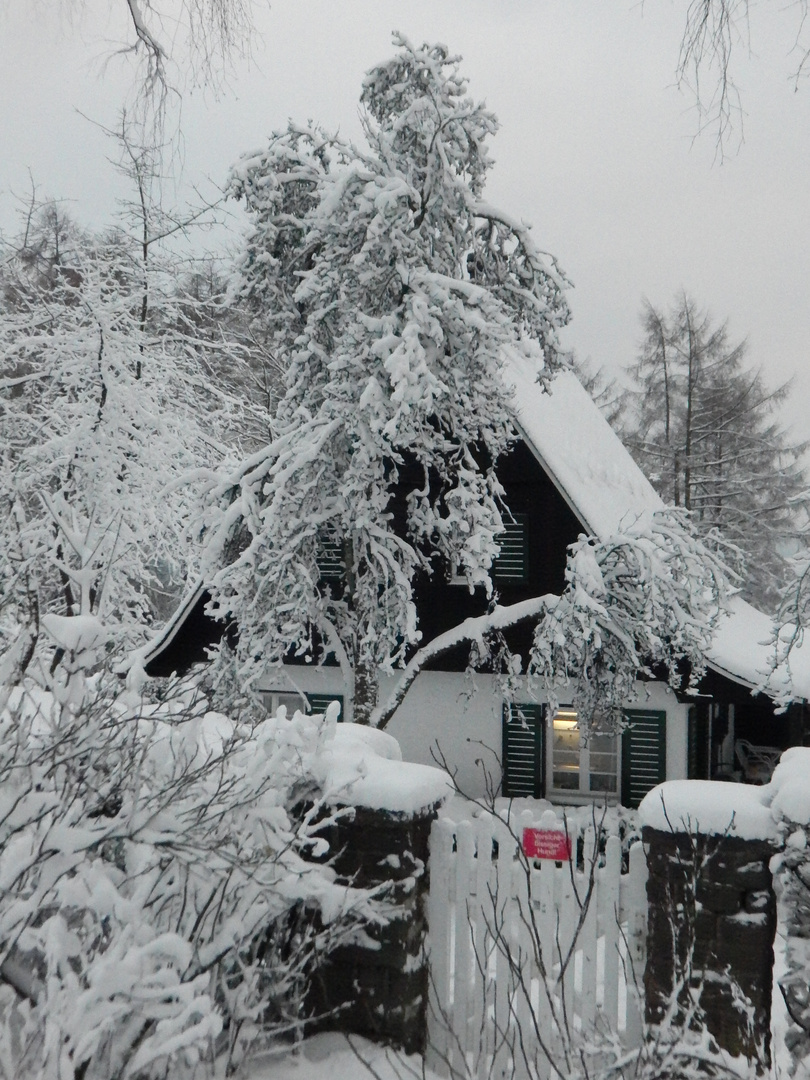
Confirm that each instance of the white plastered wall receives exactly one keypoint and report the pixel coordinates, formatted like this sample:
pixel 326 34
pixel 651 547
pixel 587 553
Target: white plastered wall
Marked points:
pixel 459 717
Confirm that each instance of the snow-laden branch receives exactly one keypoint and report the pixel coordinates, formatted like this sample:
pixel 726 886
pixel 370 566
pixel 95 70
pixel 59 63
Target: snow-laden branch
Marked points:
pixel 474 629
pixel 145 851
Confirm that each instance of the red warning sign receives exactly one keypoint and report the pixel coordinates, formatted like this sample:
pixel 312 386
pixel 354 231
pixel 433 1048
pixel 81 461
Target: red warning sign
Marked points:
pixel 547 844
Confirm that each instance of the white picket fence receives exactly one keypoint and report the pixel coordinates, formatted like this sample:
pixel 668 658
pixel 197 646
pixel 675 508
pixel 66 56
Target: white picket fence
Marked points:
pixel 528 959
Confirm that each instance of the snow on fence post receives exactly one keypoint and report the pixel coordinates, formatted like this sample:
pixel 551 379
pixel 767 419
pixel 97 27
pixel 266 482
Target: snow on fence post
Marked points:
pixel 712 912
pixel 377 986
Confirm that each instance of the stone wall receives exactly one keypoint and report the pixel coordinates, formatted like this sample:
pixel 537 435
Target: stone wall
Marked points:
pixel 379 988
pixel 712 919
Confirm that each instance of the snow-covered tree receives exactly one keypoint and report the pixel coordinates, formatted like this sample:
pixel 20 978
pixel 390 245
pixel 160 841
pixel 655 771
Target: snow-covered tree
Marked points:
pixel 390 290
pixel 394 293
pixel 704 428
pixel 101 409
pixel 165 893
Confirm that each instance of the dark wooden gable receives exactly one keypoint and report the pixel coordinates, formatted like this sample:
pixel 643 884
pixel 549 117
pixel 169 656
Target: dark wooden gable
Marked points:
pixel 187 639
pixel 550 527
pixel 547 524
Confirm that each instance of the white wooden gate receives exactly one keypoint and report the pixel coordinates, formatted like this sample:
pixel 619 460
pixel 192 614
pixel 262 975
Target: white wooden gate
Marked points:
pixel 528 960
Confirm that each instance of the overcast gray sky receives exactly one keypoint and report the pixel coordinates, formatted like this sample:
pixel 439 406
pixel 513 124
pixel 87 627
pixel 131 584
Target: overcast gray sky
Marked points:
pixel 596 148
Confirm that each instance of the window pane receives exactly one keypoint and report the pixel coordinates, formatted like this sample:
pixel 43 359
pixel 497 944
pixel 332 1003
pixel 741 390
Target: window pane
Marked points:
pixel 604 762
pixel 603 782
pixel 566 781
pixel 586 764
pixel 565 751
pixel 271 699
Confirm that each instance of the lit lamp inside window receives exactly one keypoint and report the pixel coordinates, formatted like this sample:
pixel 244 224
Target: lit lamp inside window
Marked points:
pixel 584 762
pixel 565 750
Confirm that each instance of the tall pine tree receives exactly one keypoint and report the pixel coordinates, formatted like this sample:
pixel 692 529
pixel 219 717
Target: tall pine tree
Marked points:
pixel 704 428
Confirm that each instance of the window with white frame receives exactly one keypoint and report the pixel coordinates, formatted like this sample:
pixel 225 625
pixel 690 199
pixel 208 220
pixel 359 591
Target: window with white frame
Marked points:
pixel 297 702
pixel 580 763
pixel 272 699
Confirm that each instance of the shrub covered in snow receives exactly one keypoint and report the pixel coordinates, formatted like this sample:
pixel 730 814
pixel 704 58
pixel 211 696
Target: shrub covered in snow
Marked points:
pixel 158 898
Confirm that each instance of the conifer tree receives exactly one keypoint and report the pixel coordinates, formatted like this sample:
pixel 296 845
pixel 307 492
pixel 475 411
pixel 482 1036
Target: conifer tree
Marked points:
pixel 704 427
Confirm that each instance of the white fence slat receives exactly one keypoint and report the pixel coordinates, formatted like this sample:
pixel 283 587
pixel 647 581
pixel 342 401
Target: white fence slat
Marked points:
pixel 589 934
pixel 567 919
pixel 609 927
pixel 505 932
pixel 440 938
pixel 545 924
pixel 480 918
pixel 635 905
pixel 463 954
pixel 527 975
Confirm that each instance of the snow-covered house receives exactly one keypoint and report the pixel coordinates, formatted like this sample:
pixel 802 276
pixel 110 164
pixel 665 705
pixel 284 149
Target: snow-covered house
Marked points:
pixel 568 474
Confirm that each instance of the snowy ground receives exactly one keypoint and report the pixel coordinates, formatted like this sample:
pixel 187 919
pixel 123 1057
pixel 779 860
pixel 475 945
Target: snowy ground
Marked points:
pixel 334 1057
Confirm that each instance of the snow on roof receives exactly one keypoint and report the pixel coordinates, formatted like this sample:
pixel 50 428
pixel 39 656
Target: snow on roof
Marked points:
pixel 606 489
pixel 580 451
pixel 143 656
pixel 744 648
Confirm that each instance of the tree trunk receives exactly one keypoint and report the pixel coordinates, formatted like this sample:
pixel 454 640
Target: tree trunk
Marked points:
pixel 366 690
pixel 691 381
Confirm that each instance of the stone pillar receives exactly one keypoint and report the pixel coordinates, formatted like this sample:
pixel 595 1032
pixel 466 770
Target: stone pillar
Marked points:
pixel 712 919
pixel 380 989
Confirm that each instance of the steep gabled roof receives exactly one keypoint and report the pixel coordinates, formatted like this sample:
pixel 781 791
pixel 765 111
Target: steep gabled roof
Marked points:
pixel 580 451
pixel 191 611
pixel 745 649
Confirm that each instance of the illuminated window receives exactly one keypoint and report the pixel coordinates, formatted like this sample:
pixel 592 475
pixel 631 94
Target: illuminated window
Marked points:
pixel 582 764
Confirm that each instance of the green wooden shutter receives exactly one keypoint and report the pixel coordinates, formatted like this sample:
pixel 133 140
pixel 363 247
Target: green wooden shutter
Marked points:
pixel 329 558
pixel 644 754
pixel 523 751
pixel 697 745
pixel 512 563
pixel 318 702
